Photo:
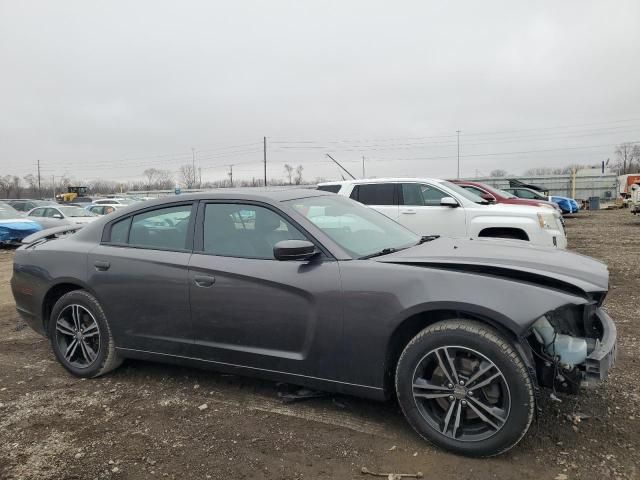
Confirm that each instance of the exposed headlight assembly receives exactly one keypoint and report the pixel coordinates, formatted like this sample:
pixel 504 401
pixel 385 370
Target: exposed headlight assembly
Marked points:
pixel 547 220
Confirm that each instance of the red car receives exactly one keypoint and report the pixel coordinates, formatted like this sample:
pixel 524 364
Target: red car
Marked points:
pixel 495 195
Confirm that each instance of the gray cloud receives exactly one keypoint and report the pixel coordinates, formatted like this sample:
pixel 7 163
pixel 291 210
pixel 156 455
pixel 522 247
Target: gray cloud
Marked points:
pixel 106 89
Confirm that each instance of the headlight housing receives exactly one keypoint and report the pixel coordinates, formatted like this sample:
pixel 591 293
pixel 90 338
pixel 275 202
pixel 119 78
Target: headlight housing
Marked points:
pixel 546 205
pixel 547 221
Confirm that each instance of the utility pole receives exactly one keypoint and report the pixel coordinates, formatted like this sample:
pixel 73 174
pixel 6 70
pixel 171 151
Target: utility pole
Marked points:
pixel 265 160
pixel 193 166
pixel 363 175
pixel 231 174
pixel 458 132
pixel 39 190
pixel 199 177
pixel 53 185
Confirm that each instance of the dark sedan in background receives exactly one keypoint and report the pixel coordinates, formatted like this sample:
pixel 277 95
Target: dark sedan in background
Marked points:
pixel 318 290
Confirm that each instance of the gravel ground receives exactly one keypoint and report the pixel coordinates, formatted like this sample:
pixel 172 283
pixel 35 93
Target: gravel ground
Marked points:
pixel 155 421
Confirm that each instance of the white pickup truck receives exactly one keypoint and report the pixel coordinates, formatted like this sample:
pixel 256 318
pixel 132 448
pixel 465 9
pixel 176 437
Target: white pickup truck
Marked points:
pixel 436 207
pixel 634 199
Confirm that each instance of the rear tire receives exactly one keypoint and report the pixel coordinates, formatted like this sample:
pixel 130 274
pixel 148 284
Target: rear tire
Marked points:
pixel 463 387
pixel 80 335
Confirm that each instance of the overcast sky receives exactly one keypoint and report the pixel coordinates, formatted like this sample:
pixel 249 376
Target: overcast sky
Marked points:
pixel 106 89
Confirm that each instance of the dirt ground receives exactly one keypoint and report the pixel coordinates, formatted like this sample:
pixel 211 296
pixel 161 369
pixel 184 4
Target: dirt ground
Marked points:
pixel 150 421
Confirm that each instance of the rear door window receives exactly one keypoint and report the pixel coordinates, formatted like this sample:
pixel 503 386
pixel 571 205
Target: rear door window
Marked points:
pixel 165 228
pixel 375 193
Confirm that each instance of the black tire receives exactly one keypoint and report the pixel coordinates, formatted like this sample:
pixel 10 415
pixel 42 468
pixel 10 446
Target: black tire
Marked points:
pixel 94 353
pixel 511 398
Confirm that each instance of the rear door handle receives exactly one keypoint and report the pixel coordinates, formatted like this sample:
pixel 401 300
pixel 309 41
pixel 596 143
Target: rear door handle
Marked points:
pixel 101 266
pixel 408 212
pixel 204 280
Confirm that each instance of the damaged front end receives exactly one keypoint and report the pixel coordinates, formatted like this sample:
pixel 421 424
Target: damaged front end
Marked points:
pixel 574 346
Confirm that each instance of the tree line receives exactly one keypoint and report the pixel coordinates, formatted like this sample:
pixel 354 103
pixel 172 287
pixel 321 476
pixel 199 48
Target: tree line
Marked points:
pixel 188 177
pixel 627 160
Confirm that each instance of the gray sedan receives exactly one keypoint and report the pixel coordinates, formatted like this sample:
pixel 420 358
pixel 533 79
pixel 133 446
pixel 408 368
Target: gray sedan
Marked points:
pixel 315 289
pixel 57 215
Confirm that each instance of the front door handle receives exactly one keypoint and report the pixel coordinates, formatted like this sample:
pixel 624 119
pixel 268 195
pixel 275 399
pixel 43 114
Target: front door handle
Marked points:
pixel 101 265
pixel 408 212
pixel 204 280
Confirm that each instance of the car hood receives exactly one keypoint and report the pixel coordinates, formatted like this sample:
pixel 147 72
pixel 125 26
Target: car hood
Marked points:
pixel 513 259
pixel 509 209
pixel 81 220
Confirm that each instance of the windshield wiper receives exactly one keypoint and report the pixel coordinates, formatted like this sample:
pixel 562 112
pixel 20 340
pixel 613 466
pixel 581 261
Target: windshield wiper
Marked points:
pixel 384 251
pixel 427 238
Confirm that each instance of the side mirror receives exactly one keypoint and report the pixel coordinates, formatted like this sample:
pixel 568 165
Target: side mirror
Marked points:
pixel 449 202
pixel 294 250
pixel 57 215
pixel 488 197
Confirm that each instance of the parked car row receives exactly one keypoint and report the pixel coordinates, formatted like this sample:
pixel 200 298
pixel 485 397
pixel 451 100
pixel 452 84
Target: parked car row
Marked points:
pixel 438 207
pixel 565 204
pixel 22 217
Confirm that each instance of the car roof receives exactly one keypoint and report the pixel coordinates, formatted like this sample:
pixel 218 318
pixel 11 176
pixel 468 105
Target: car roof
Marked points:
pixel 258 194
pixel 383 180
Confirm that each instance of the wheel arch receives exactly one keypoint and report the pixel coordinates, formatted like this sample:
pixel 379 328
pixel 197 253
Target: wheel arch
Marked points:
pixel 418 319
pixel 504 232
pixel 54 293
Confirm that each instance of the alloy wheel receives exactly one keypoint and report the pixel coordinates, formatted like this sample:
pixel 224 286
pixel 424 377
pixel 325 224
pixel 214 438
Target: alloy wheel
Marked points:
pixel 461 393
pixel 77 336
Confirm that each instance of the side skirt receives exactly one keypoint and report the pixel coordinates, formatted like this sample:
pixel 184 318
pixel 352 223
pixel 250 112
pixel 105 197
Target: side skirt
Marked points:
pixel 366 391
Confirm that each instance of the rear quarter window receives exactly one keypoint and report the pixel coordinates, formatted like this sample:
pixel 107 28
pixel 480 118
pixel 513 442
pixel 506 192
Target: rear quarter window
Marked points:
pixel 330 188
pixel 120 231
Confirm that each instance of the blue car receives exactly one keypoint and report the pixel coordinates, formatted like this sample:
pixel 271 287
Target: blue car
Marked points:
pixel 14 228
pixel 567 205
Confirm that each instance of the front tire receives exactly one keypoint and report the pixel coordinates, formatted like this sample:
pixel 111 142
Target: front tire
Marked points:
pixel 80 335
pixel 463 387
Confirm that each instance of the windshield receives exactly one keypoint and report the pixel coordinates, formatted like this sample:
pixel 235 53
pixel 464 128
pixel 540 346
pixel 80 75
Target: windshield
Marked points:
pixel 359 230
pixel 463 192
pixel 6 212
pixel 504 193
pixel 497 191
pixel 75 212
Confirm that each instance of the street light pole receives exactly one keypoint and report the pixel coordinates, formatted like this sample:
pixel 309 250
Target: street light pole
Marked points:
pixel 458 132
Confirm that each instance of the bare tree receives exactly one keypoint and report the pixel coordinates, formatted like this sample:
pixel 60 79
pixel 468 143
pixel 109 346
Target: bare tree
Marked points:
pixel 627 153
pixel 164 180
pixel 188 175
pixel 289 170
pixel 32 182
pixel 151 174
pixel 5 185
pixel 16 184
pixel 498 173
pixel 299 169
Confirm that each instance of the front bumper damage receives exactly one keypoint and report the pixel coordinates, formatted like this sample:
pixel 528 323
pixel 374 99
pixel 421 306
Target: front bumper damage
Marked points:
pixel 603 357
pixel 574 347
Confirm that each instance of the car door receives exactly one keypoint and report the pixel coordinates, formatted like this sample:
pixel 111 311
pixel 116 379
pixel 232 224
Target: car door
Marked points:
pixel 39 215
pixel 382 197
pixel 421 212
pixel 251 310
pixel 139 273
